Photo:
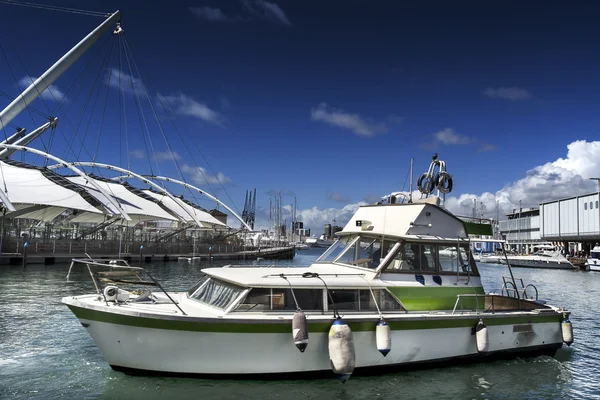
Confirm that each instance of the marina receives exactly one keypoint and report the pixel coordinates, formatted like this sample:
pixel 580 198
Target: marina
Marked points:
pixel 127 270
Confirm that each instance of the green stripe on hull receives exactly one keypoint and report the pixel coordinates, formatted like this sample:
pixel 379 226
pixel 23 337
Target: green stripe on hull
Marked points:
pixel 431 298
pixel 285 326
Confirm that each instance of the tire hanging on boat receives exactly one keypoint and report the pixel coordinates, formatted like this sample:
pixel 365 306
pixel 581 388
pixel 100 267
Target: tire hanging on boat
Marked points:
pixel 567 331
pixel 300 330
pixel 341 350
pixel 383 337
pixel 426 183
pixel 444 182
pixel 481 335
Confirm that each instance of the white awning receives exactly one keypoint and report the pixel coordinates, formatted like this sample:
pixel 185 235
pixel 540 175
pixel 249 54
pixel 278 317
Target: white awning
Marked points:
pixel 135 203
pixel 207 220
pixel 41 194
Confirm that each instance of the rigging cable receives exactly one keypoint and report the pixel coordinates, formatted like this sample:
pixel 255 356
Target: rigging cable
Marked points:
pixel 54 8
pixel 141 117
pixel 124 106
pixel 165 98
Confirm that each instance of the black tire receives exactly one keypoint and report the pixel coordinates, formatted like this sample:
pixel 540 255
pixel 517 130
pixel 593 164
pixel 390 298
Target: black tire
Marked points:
pixel 444 182
pixel 426 184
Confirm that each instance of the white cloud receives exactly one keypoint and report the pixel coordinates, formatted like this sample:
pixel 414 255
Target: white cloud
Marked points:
pixel 340 118
pixel 211 14
pixel 508 93
pixel 138 153
pixel 253 9
pixel 166 155
pixel 52 92
pixel 124 81
pixel 486 147
pixel 313 218
pixel 270 11
pixel 201 176
pixel 448 136
pixel 335 196
pixel 185 105
pixel 563 177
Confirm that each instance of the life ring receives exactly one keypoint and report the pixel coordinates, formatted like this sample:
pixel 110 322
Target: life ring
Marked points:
pixel 426 183
pixel 444 182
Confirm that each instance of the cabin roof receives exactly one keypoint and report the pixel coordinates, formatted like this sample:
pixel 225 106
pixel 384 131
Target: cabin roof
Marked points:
pixel 407 221
pixel 333 275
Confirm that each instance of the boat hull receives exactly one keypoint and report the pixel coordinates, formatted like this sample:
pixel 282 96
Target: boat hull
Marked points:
pixel 224 348
pixel 534 263
pixel 593 264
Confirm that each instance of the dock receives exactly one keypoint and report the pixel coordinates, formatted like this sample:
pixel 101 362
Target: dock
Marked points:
pixel 148 255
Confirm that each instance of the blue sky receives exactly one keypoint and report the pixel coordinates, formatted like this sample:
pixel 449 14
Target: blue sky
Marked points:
pixel 327 101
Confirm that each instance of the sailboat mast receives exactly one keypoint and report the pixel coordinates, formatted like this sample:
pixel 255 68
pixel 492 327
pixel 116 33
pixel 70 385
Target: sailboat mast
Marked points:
pixel 412 161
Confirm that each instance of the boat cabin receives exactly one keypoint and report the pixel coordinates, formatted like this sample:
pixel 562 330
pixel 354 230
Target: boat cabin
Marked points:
pixel 381 251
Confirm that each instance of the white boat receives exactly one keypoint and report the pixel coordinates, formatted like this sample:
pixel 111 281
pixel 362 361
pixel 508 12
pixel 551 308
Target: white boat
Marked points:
pixel 545 257
pixel 379 298
pixel 301 246
pixel 492 258
pixel 321 241
pixel 593 261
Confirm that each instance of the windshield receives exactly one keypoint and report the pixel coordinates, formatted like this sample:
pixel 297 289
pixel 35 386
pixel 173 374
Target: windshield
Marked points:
pixel 366 252
pixel 216 293
pixel 337 248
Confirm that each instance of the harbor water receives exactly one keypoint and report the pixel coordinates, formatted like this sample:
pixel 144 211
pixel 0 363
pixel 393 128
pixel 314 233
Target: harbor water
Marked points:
pixel 46 354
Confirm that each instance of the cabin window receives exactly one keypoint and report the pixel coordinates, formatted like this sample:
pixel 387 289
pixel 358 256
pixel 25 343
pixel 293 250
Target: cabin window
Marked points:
pixel 596 203
pixel 414 257
pixel 362 300
pixel 262 299
pixel 336 249
pixel 203 279
pixel 366 252
pixel 426 257
pixel 449 258
pixel 585 206
pixel 217 293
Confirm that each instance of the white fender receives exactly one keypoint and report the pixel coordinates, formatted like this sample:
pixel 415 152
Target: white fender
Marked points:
pixel 341 350
pixel 300 330
pixel 383 337
pixel 567 331
pixel 481 335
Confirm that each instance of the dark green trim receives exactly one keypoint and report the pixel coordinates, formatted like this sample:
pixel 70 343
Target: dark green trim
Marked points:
pixel 474 228
pixel 284 326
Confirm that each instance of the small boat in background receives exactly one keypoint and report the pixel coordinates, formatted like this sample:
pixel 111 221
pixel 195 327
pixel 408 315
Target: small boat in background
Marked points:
pixel 593 262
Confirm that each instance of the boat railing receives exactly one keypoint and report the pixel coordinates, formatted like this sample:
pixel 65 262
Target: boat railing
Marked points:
pixel 492 304
pixel 121 266
pixel 460 297
pixel 516 292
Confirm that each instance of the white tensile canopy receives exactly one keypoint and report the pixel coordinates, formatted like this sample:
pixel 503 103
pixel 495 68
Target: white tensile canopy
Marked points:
pixel 207 220
pixel 41 194
pixel 135 203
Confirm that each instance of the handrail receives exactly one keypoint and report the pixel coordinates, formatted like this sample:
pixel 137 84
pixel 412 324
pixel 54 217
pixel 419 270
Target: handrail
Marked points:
pixel 477 296
pixel 89 262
